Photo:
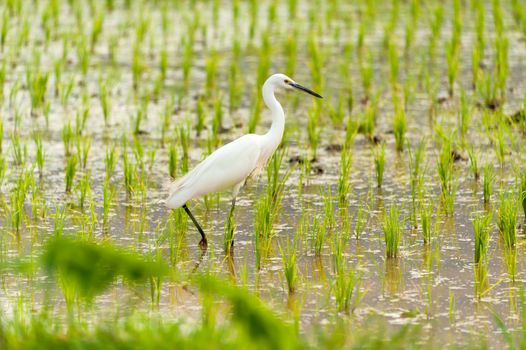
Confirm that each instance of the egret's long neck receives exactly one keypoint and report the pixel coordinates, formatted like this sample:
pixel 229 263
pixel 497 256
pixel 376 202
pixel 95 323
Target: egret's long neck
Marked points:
pixel 274 135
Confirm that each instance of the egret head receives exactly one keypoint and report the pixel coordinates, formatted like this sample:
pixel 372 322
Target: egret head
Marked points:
pixel 282 81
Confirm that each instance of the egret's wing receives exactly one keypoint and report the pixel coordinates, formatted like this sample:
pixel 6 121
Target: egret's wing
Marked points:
pixel 224 168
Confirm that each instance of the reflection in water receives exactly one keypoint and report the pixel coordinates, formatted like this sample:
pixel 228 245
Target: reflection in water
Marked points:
pixel 229 261
pixel 481 278
pixel 393 276
pixel 510 260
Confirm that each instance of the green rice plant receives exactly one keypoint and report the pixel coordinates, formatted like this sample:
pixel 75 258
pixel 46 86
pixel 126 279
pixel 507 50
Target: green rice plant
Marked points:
pixel 502 65
pixel 229 232
pixel 211 63
pixel 328 211
pixel 313 130
pixel 426 212
pixel 318 235
pixel 337 114
pixel 500 146
pixel 83 54
pixel 40 156
pixel 480 29
pixel 344 185
pixel 399 127
pixel 475 65
pixel 464 115
pixel 394 64
pixel 83 148
pixel 379 163
pixel 291 52
pixel 184 139
pixel 351 129
pixel 17 200
pixel 188 57
pixel 107 197
pixel 522 190
pixel 67 138
pixel 473 163
pixel 452 59
pixel 90 268
pixel 290 266
pixel 392 227
pixel 487 182
pixel 3 29
pixel 19 152
pixel 482 230
pixel 445 173
pixel 366 73
pixel 347 281
pixel 200 113
pixel 234 86
pixel 172 162
pixel 166 119
pixel 96 28
pixel 2 81
pixel 416 175
pixel 71 170
pixel 84 189
pixel 217 122
pixel 37 86
pixel 507 219
pixel 104 101
pixel 109 161
pixel 436 22
pixel 487 89
pixel 368 120
pixel 139 116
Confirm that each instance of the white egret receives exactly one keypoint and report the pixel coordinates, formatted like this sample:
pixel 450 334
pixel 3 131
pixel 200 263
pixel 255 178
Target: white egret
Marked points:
pixel 230 165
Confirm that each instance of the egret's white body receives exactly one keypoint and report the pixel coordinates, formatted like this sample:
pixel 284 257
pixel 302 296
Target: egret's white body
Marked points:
pixel 230 165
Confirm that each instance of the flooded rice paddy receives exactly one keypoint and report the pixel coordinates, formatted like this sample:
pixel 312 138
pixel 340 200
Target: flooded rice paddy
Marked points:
pixel 104 103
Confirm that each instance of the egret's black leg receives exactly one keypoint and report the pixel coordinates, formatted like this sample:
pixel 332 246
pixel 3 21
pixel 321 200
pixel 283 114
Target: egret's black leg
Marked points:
pixel 230 224
pixel 203 242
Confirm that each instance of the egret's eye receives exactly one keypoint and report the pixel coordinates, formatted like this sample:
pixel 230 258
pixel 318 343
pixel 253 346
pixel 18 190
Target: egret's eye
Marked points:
pixel 287 81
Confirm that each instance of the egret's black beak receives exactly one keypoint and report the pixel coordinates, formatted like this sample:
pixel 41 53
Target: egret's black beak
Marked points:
pixel 303 88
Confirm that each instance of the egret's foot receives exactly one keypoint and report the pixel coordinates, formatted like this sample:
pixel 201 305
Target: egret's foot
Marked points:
pixel 203 243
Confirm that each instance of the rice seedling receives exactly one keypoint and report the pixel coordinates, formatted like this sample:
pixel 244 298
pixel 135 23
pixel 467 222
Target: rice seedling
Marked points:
pixel 67 137
pixel 487 182
pixel 290 267
pixel 71 170
pixel 445 173
pixel 39 156
pixel 313 130
pixel 426 211
pixel 522 190
pixel 172 163
pixel 104 101
pixel 507 219
pixel 379 163
pixel 343 178
pixel 37 85
pixel 399 127
pixel 106 203
pixel 347 282
pixel 19 151
pixel 464 115
pixel 473 164
pixel 482 230
pixel 84 189
pixel 392 227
